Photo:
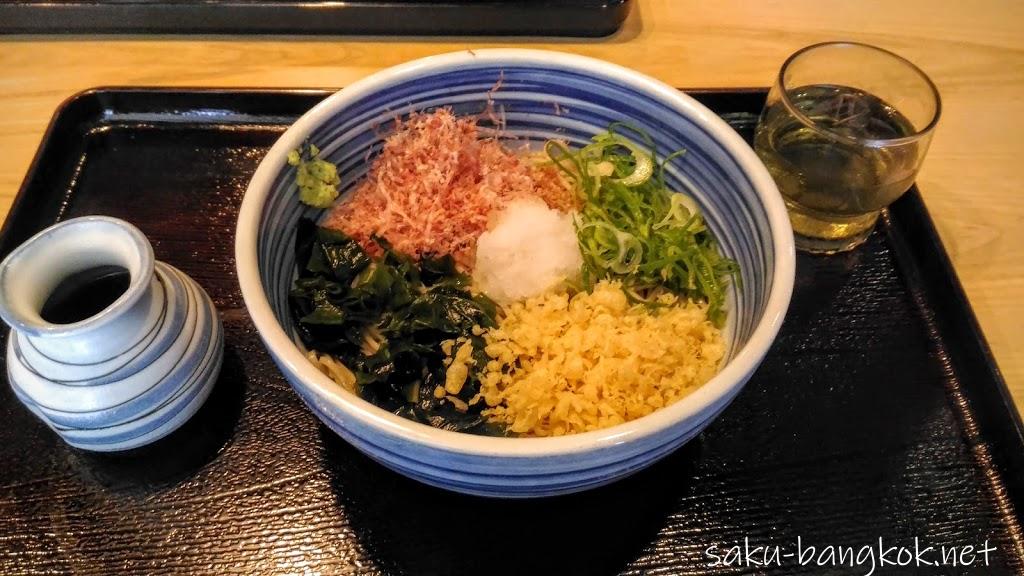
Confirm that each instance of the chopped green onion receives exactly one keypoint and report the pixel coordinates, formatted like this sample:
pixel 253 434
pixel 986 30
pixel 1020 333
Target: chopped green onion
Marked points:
pixel 634 229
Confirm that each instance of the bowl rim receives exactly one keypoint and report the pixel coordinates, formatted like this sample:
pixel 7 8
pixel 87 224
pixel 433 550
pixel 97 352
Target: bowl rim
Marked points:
pixel 722 387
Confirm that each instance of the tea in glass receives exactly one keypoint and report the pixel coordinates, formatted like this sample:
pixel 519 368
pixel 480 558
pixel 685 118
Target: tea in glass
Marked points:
pixel 843 134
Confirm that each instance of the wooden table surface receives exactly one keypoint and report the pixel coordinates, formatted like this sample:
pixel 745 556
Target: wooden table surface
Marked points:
pixel 973 51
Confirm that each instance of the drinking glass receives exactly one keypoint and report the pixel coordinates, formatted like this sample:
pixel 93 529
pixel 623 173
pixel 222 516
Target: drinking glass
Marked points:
pixel 843 133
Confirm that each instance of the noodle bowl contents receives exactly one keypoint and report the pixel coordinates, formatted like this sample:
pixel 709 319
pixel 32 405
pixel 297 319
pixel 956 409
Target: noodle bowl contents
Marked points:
pixel 434 186
pixel 476 288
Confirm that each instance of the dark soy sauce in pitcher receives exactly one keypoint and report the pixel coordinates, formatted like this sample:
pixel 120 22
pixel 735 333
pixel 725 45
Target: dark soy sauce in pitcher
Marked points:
pixel 85 294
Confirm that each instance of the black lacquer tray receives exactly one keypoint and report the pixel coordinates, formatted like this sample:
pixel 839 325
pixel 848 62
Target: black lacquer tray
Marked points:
pixel 415 17
pixel 877 415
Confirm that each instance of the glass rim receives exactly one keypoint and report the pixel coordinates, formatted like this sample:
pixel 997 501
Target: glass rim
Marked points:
pixel 916 136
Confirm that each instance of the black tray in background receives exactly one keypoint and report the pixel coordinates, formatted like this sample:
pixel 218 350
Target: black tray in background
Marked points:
pixel 878 413
pixel 382 17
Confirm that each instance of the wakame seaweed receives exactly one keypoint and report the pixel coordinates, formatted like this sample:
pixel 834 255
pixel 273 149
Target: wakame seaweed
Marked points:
pixel 384 319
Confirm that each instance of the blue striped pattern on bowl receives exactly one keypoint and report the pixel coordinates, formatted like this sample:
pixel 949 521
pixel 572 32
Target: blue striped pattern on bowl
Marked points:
pixel 540 97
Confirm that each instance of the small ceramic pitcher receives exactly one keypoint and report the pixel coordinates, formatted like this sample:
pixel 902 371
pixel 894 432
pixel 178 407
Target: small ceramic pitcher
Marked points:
pixel 125 375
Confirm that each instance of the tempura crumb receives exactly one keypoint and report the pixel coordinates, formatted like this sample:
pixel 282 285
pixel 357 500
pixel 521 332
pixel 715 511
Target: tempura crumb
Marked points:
pixel 562 365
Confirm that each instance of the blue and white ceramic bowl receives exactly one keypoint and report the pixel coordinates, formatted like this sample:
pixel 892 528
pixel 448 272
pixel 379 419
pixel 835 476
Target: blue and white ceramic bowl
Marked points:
pixel 542 95
pixel 127 375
